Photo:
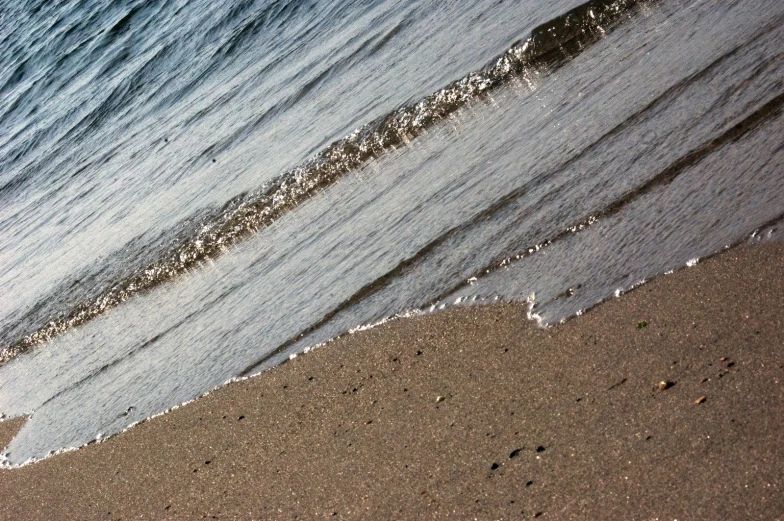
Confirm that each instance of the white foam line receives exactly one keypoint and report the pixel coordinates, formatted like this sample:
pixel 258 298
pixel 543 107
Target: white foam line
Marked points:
pixel 100 438
pixel 531 315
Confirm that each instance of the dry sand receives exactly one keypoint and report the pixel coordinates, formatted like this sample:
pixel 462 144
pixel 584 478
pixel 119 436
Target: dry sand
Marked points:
pixel 474 413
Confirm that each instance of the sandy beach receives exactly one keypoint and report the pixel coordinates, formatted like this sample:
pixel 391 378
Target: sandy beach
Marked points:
pixel 666 403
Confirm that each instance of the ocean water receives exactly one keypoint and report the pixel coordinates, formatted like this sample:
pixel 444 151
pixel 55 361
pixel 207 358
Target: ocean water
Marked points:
pixel 195 191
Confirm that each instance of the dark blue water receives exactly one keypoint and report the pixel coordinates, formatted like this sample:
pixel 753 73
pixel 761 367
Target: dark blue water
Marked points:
pixel 195 191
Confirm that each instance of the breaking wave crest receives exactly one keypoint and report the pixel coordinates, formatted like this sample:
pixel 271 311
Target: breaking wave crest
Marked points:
pixel 548 47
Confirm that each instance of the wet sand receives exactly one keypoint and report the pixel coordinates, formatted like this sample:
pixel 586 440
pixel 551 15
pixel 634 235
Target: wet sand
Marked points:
pixel 475 413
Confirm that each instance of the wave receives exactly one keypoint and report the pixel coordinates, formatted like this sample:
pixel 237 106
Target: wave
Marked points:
pixel 768 111
pixel 549 46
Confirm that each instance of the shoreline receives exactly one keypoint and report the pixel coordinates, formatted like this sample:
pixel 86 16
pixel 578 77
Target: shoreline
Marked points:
pixel 474 412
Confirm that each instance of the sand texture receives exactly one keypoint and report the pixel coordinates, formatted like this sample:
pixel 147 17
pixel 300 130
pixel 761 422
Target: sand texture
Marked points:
pixel 475 413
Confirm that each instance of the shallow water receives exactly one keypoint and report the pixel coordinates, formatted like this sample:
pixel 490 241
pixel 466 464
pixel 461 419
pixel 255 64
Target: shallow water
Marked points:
pixel 650 142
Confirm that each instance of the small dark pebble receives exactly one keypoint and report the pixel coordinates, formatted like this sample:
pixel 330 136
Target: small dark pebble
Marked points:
pixel 538 514
pixel 540 449
pixel 240 418
pixel 419 353
pixel 529 483
pixel 494 466
pixel 730 364
pixel 208 462
pixel 214 160
pixel 514 453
